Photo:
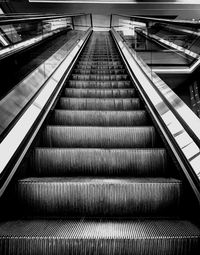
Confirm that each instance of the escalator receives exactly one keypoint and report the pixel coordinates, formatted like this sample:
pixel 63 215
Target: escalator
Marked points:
pixel 99 180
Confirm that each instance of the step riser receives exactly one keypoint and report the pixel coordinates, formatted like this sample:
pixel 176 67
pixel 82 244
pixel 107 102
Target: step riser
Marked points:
pixel 101 93
pixel 94 77
pixel 93 162
pixel 99 84
pixel 95 118
pixel 99 198
pixel 98 72
pixel 98 104
pixel 95 137
pixel 100 58
pixel 100 67
pixel 96 63
pixel 101 55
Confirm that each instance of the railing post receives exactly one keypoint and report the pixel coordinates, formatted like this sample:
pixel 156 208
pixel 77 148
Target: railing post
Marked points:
pixel 91 21
pixel 72 22
pixel 110 20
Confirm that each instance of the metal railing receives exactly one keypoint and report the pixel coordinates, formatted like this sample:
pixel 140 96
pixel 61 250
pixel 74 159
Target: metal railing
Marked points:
pixel 24 108
pixel 177 122
pixel 18 32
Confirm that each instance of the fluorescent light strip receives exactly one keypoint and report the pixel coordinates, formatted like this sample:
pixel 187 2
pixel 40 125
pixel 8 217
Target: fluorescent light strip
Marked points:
pixel 116 2
pixel 4 42
pixel 21 45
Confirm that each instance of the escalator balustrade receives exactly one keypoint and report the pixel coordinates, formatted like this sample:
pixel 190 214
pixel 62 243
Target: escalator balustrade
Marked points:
pixel 100 181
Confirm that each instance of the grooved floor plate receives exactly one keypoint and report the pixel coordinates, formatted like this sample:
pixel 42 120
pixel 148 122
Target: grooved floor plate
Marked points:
pixel 107 237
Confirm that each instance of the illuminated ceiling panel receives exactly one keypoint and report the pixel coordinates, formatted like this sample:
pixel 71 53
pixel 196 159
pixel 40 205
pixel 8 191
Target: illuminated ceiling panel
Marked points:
pixel 121 1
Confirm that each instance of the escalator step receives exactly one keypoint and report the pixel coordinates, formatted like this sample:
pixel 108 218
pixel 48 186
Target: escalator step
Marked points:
pixel 100 62
pixel 99 84
pixel 99 137
pixel 100 162
pixel 99 104
pixel 98 196
pixel 100 93
pixel 93 77
pixel 99 58
pixel 100 55
pixel 99 237
pixel 97 71
pixel 101 67
pixel 100 118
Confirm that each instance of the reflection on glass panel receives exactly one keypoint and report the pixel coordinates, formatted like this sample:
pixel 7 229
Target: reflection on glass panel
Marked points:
pixel 31 69
pixel 169 50
pixel 12 32
pixel 82 22
pixel 51 25
pixel 23 31
pixel 158 45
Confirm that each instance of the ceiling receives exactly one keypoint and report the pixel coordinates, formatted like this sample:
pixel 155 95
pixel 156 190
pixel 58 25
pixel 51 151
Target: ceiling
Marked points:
pixel 120 1
pixel 184 9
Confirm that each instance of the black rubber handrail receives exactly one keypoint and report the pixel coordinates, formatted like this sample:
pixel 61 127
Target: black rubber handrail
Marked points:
pixel 25 18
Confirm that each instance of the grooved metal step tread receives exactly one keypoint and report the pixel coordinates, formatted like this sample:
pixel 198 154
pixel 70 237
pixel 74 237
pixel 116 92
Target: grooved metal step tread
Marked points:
pixel 101 162
pixel 100 118
pixel 99 196
pixel 99 104
pixel 100 93
pixel 99 236
pixel 99 137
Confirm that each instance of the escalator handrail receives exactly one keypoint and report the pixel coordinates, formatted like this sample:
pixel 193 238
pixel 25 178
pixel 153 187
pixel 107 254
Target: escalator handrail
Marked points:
pixel 181 125
pixel 16 143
